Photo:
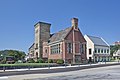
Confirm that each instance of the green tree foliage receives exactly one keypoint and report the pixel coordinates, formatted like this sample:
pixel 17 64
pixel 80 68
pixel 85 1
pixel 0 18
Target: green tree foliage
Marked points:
pixel 114 48
pixel 18 55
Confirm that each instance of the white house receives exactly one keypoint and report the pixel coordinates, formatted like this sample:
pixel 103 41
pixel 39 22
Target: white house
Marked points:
pixel 98 49
pixel 116 54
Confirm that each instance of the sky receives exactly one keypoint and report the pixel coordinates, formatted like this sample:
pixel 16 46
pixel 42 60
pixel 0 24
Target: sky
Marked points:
pixel 17 18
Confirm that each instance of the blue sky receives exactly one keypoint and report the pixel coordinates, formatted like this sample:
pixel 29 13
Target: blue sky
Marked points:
pixel 17 19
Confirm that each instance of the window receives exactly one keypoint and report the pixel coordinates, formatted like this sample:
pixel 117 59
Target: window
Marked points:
pixel 69 47
pixel 101 50
pixel 107 50
pixel 95 50
pixel 98 50
pixel 59 48
pixel 36 46
pixel 104 50
pixel 46 51
pixel 90 51
pixel 36 54
pixel 81 48
pixel 55 49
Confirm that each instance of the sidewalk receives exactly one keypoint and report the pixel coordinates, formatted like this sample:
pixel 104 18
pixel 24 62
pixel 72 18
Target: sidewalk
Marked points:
pixel 58 67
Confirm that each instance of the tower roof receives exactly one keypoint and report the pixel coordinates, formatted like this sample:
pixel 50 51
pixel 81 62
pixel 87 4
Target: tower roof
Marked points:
pixel 42 23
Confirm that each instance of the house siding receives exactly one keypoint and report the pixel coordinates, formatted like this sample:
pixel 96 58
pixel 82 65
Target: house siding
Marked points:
pixel 97 56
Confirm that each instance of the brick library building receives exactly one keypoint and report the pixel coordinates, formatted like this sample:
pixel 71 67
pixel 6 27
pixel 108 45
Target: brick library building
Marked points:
pixel 68 44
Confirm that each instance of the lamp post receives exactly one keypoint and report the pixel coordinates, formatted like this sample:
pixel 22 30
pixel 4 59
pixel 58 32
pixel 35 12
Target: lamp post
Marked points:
pixel 3 59
pixel 118 59
pixel 1 55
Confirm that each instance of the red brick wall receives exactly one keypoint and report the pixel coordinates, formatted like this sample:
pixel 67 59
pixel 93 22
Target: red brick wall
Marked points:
pixel 69 38
pixel 68 55
pixel 77 48
pixel 78 37
pixel 55 56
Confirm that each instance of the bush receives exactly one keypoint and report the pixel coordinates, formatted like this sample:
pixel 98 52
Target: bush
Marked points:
pixel 40 61
pixel 31 60
pixel 2 61
pixel 46 61
pixel 50 61
pixel 60 61
pixel 19 61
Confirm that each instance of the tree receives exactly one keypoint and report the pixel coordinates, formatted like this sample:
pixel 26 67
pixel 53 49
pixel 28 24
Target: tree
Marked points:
pixel 18 55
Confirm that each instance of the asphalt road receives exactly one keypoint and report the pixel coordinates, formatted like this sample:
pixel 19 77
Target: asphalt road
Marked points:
pixel 102 73
pixel 44 71
pixel 99 73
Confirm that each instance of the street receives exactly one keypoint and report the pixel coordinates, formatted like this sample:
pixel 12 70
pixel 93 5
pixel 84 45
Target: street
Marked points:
pixel 101 73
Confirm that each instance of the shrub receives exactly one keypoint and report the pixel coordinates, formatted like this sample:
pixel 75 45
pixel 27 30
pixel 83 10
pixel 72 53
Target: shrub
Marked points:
pixel 30 60
pixel 46 61
pixel 40 61
pixel 60 61
pixel 2 61
pixel 19 61
pixel 50 61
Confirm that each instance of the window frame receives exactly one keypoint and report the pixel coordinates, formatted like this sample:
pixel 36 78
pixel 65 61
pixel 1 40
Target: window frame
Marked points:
pixel 69 48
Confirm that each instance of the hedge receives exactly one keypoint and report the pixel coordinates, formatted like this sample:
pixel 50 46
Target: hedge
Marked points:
pixel 60 61
pixel 26 64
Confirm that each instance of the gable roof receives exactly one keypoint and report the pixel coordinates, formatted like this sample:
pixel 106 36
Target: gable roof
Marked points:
pixel 60 35
pixel 97 41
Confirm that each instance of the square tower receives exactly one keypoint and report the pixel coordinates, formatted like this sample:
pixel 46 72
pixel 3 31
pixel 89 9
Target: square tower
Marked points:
pixel 42 34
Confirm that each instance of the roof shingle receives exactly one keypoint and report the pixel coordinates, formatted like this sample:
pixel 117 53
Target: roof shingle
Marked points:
pixel 97 41
pixel 60 35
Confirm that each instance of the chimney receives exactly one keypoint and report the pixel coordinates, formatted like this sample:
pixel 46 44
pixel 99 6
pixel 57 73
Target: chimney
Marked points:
pixel 75 23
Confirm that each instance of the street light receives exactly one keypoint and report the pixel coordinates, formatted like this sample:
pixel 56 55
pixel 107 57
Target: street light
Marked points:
pixel 3 59
pixel 1 55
